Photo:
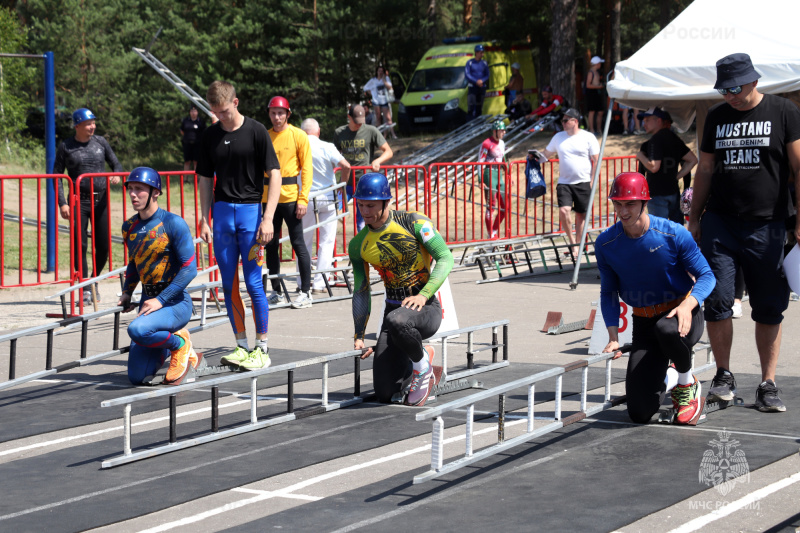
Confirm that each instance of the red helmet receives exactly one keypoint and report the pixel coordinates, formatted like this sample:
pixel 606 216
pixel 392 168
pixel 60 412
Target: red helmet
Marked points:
pixel 279 101
pixel 629 186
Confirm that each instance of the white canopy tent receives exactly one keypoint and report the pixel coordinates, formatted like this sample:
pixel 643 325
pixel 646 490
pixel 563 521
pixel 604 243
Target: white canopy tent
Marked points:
pixel 677 68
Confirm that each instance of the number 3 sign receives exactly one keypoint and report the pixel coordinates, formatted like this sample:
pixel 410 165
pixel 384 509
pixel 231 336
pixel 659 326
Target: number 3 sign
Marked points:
pixel 599 338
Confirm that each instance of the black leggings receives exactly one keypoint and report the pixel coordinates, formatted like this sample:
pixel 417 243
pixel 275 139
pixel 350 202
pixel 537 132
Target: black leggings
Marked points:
pixel 287 212
pixel 400 343
pixel 99 234
pixel 655 343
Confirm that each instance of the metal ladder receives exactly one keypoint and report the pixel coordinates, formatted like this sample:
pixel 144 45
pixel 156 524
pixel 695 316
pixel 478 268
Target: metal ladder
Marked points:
pixel 172 78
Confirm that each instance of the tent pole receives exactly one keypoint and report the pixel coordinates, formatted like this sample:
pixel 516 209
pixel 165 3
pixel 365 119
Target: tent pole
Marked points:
pixel 595 180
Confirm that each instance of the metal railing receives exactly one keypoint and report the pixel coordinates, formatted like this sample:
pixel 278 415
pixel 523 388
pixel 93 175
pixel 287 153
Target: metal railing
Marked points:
pixel 437 466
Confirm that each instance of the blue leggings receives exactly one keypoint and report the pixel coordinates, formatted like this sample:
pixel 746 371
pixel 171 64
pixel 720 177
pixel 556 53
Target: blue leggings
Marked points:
pixel 152 337
pixel 235 229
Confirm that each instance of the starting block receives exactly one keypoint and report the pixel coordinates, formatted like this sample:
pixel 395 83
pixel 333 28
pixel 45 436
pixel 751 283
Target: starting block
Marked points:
pixel 667 416
pixel 554 323
pixel 203 369
pixel 440 387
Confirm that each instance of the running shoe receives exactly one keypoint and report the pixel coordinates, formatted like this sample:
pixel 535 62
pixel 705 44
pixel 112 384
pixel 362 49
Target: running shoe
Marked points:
pixel 276 298
pixel 686 401
pixel 723 386
pixel 180 360
pixel 256 360
pixel 421 382
pixel 302 301
pixel 767 400
pixel 737 310
pixel 233 359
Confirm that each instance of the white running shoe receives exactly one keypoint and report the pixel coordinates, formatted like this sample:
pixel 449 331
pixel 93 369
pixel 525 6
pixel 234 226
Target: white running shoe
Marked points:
pixel 276 298
pixel 737 310
pixel 302 301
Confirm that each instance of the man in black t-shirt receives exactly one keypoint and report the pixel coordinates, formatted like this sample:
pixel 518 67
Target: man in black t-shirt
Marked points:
pixel 750 148
pixel 239 152
pixel 192 128
pixel 660 158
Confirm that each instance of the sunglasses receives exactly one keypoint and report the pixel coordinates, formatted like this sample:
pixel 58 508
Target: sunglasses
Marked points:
pixel 732 90
pixel 565 120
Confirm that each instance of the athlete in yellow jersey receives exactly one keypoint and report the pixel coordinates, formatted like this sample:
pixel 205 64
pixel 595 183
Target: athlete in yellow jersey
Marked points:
pixel 400 246
pixel 294 154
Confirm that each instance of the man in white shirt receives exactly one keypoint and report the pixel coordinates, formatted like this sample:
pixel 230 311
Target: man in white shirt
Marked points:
pixel 577 151
pixel 325 157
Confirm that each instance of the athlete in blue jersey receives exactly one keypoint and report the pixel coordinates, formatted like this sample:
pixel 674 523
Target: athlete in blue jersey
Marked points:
pixel 649 263
pixel 161 256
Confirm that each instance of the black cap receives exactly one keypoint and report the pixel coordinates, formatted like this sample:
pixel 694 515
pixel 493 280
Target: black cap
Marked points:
pixel 655 112
pixel 735 70
pixel 572 113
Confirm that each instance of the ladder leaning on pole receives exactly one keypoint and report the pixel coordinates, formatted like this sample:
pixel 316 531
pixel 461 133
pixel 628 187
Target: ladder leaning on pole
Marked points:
pixel 173 79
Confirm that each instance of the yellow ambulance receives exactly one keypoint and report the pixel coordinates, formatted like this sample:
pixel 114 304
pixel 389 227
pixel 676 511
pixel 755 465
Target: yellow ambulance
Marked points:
pixel 436 95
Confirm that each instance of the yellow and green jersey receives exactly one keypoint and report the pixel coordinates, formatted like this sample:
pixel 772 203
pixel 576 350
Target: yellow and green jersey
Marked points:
pixel 401 252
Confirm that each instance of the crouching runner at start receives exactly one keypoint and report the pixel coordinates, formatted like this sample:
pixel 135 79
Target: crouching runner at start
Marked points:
pixel 649 263
pixel 399 245
pixel 161 256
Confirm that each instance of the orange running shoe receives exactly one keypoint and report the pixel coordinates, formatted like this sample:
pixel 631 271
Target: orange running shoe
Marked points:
pixel 181 360
pixel 686 400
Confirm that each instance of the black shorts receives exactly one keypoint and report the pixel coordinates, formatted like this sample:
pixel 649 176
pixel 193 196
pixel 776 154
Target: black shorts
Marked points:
pixel 756 247
pixel 575 196
pixel 594 99
pixel 191 151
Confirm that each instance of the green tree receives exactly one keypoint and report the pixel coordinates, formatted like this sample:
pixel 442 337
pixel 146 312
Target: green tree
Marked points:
pixel 16 75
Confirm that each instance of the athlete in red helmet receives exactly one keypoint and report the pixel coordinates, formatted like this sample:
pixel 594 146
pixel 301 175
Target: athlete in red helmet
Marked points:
pixel 646 262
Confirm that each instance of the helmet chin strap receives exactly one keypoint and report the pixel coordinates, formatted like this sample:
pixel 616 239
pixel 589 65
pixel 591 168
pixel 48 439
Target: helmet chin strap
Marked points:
pixel 149 197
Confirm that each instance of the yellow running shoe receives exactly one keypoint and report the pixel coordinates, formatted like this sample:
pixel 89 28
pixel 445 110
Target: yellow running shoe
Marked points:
pixel 235 358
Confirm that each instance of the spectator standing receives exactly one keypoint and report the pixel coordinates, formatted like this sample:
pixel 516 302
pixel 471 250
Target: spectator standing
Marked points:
pixel 515 84
pixel 192 128
pixel 378 89
pixel 325 157
pixel 477 73
pixel 297 174
pixel 577 152
pixel 238 150
pixel 749 152
pixel 667 161
pixel 357 142
pixel 82 154
pixel 594 96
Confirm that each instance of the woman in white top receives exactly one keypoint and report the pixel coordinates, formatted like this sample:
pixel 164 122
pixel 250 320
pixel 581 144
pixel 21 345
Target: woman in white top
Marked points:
pixel 378 88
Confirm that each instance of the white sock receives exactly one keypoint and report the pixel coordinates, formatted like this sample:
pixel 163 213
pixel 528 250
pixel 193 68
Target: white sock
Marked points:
pixel 422 365
pixel 262 343
pixel 243 344
pixel 671 379
pixel 685 378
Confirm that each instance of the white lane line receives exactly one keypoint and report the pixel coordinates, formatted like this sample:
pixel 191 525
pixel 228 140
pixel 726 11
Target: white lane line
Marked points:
pixel 698 523
pixel 109 430
pixel 313 481
pixel 278 495
pixel 190 468
pixel 470 484
pixel 694 428
pixel 76 382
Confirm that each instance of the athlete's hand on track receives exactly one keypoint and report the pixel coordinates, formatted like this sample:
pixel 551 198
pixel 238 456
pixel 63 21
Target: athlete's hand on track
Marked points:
pixel 205 231
pixel 359 345
pixel 265 231
pixel 613 346
pixel 125 303
pixel 64 209
pixel 149 306
pixel 301 210
pixel 415 302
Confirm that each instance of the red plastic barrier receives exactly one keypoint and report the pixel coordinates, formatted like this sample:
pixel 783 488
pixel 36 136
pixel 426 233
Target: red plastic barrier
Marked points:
pixel 459 201
pixel 23 207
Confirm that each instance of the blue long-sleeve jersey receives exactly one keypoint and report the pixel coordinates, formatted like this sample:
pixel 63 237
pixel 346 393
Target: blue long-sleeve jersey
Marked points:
pixel 650 270
pixel 160 249
pixel 476 70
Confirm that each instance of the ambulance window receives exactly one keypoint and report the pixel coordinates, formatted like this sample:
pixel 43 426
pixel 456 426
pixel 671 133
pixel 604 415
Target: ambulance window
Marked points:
pixel 437 79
